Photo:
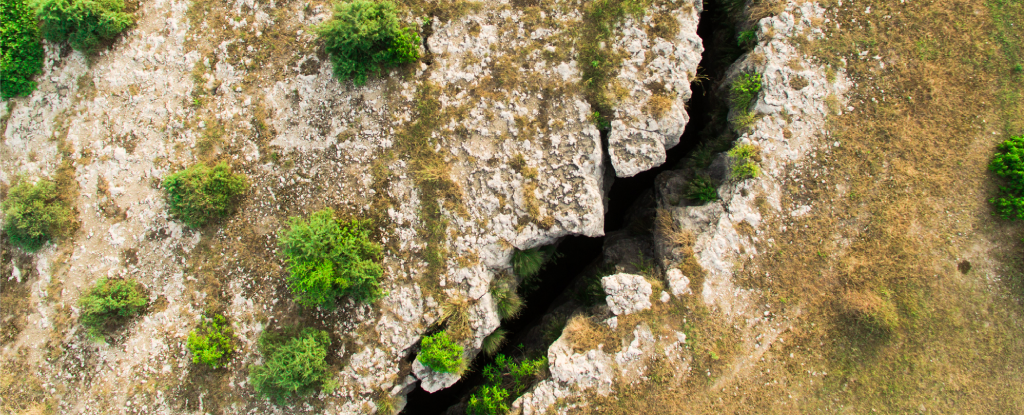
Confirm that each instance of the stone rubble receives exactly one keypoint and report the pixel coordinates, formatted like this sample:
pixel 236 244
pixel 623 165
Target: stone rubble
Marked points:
pixel 627 293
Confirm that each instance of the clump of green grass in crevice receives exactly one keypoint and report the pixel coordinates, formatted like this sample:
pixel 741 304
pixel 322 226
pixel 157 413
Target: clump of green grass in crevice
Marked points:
pixel 506 298
pixel 493 342
pixel 701 190
pixel 745 157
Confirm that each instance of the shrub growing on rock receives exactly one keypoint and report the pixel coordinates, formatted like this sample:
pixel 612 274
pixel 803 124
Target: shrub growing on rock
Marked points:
pixel 744 90
pixel 22 53
pixel 210 343
pixel 365 36
pixel 34 214
pixel 488 400
pixel 504 381
pixel 110 302
pixel 328 258
pixel 200 193
pixel 292 364
pixel 745 158
pixel 83 23
pixel 1009 164
pixel 441 354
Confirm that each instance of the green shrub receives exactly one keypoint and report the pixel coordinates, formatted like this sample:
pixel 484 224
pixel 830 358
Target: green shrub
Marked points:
pixel 200 194
pixel 488 400
pixel 365 36
pixel 493 342
pixel 504 381
pixel 22 53
pixel 210 343
pixel 440 354
pixel 701 190
pixel 292 364
pixel 744 90
pixel 110 302
pixel 1009 164
pixel 83 23
pixel 34 214
pixel 328 258
pixel 745 165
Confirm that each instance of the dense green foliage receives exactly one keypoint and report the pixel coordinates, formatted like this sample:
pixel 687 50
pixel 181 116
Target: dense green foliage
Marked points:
pixel 328 258
pixel 744 162
pixel 210 343
pixel 21 53
pixel 292 364
pixel 701 190
pixel 200 194
pixel 441 354
pixel 1009 164
pixel 744 90
pixel 505 380
pixel 83 23
pixel 111 301
pixel 365 36
pixel 33 214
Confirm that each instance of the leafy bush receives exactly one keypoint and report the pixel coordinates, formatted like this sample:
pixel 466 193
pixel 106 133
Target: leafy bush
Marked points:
pixel 504 381
pixel 439 353
pixel 200 194
pixel 110 302
pixel 83 23
pixel 1009 164
pixel 22 53
pixel 328 258
pixel 701 190
pixel 34 214
pixel 365 36
pixel 210 344
pixel 745 165
pixel 292 364
pixel 745 89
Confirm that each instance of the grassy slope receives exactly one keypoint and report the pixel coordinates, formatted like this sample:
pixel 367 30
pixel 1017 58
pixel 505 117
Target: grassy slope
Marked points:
pixel 912 207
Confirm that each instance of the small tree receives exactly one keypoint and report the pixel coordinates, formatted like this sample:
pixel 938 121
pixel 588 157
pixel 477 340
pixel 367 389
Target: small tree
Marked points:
pixel 328 258
pixel 22 53
pixel 199 193
pixel 441 354
pixel 34 214
pixel 365 36
pixel 292 365
pixel 110 302
pixel 210 343
pixel 1009 164
pixel 83 23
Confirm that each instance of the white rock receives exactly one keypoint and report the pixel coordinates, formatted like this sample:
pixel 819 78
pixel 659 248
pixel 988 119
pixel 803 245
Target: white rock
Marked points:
pixel 430 380
pixel 627 293
pixel 677 282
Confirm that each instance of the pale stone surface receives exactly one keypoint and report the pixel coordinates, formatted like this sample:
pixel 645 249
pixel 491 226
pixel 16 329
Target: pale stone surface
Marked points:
pixel 430 380
pixel 627 293
pixel 677 282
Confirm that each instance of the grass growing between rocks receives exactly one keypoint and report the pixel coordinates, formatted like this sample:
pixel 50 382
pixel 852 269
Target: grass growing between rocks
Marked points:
pixel 884 318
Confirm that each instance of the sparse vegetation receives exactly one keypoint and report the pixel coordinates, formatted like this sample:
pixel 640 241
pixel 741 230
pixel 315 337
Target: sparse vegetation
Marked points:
pixel 745 158
pixel 874 313
pixel 744 90
pixel 211 343
pixel 506 298
pixel 34 214
pixel 530 262
pixel 365 36
pixel 82 23
pixel 441 354
pixel 701 190
pixel 328 258
pixel 110 302
pixel 292 364
pixel 493 342
pixel 200 194
pixel 1009 164
pixel 505 380
pixel 22 56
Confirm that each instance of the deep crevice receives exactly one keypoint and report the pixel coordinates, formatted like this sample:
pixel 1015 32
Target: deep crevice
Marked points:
pixel 579 253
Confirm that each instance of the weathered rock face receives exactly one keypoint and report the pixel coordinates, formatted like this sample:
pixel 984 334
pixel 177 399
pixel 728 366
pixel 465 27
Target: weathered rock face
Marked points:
pixel 430 380
pixel 627 293
pixel 790 125
pixel 245 84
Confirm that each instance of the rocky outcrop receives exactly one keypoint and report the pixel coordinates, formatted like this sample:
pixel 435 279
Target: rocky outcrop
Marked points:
pixel 627 293
pixel 430 380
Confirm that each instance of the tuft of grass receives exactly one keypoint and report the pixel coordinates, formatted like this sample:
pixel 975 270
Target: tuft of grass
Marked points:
pixel 110 302
pixel 493 342
pixel 84 24
pixel 211 342
pixel 528 263
pixel 328 258
pixel 745 158
pixel 364 37
pixel 507 299
pixel 21 57
pixel 744 90
pixel 200 194
pixel 441 354
pixel 293 365
pixel 701 190
pixel 34 214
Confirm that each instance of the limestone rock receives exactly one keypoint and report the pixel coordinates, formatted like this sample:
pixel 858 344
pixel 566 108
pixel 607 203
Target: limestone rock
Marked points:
pixel 627 293
pixel 430 380
pixel 677 282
